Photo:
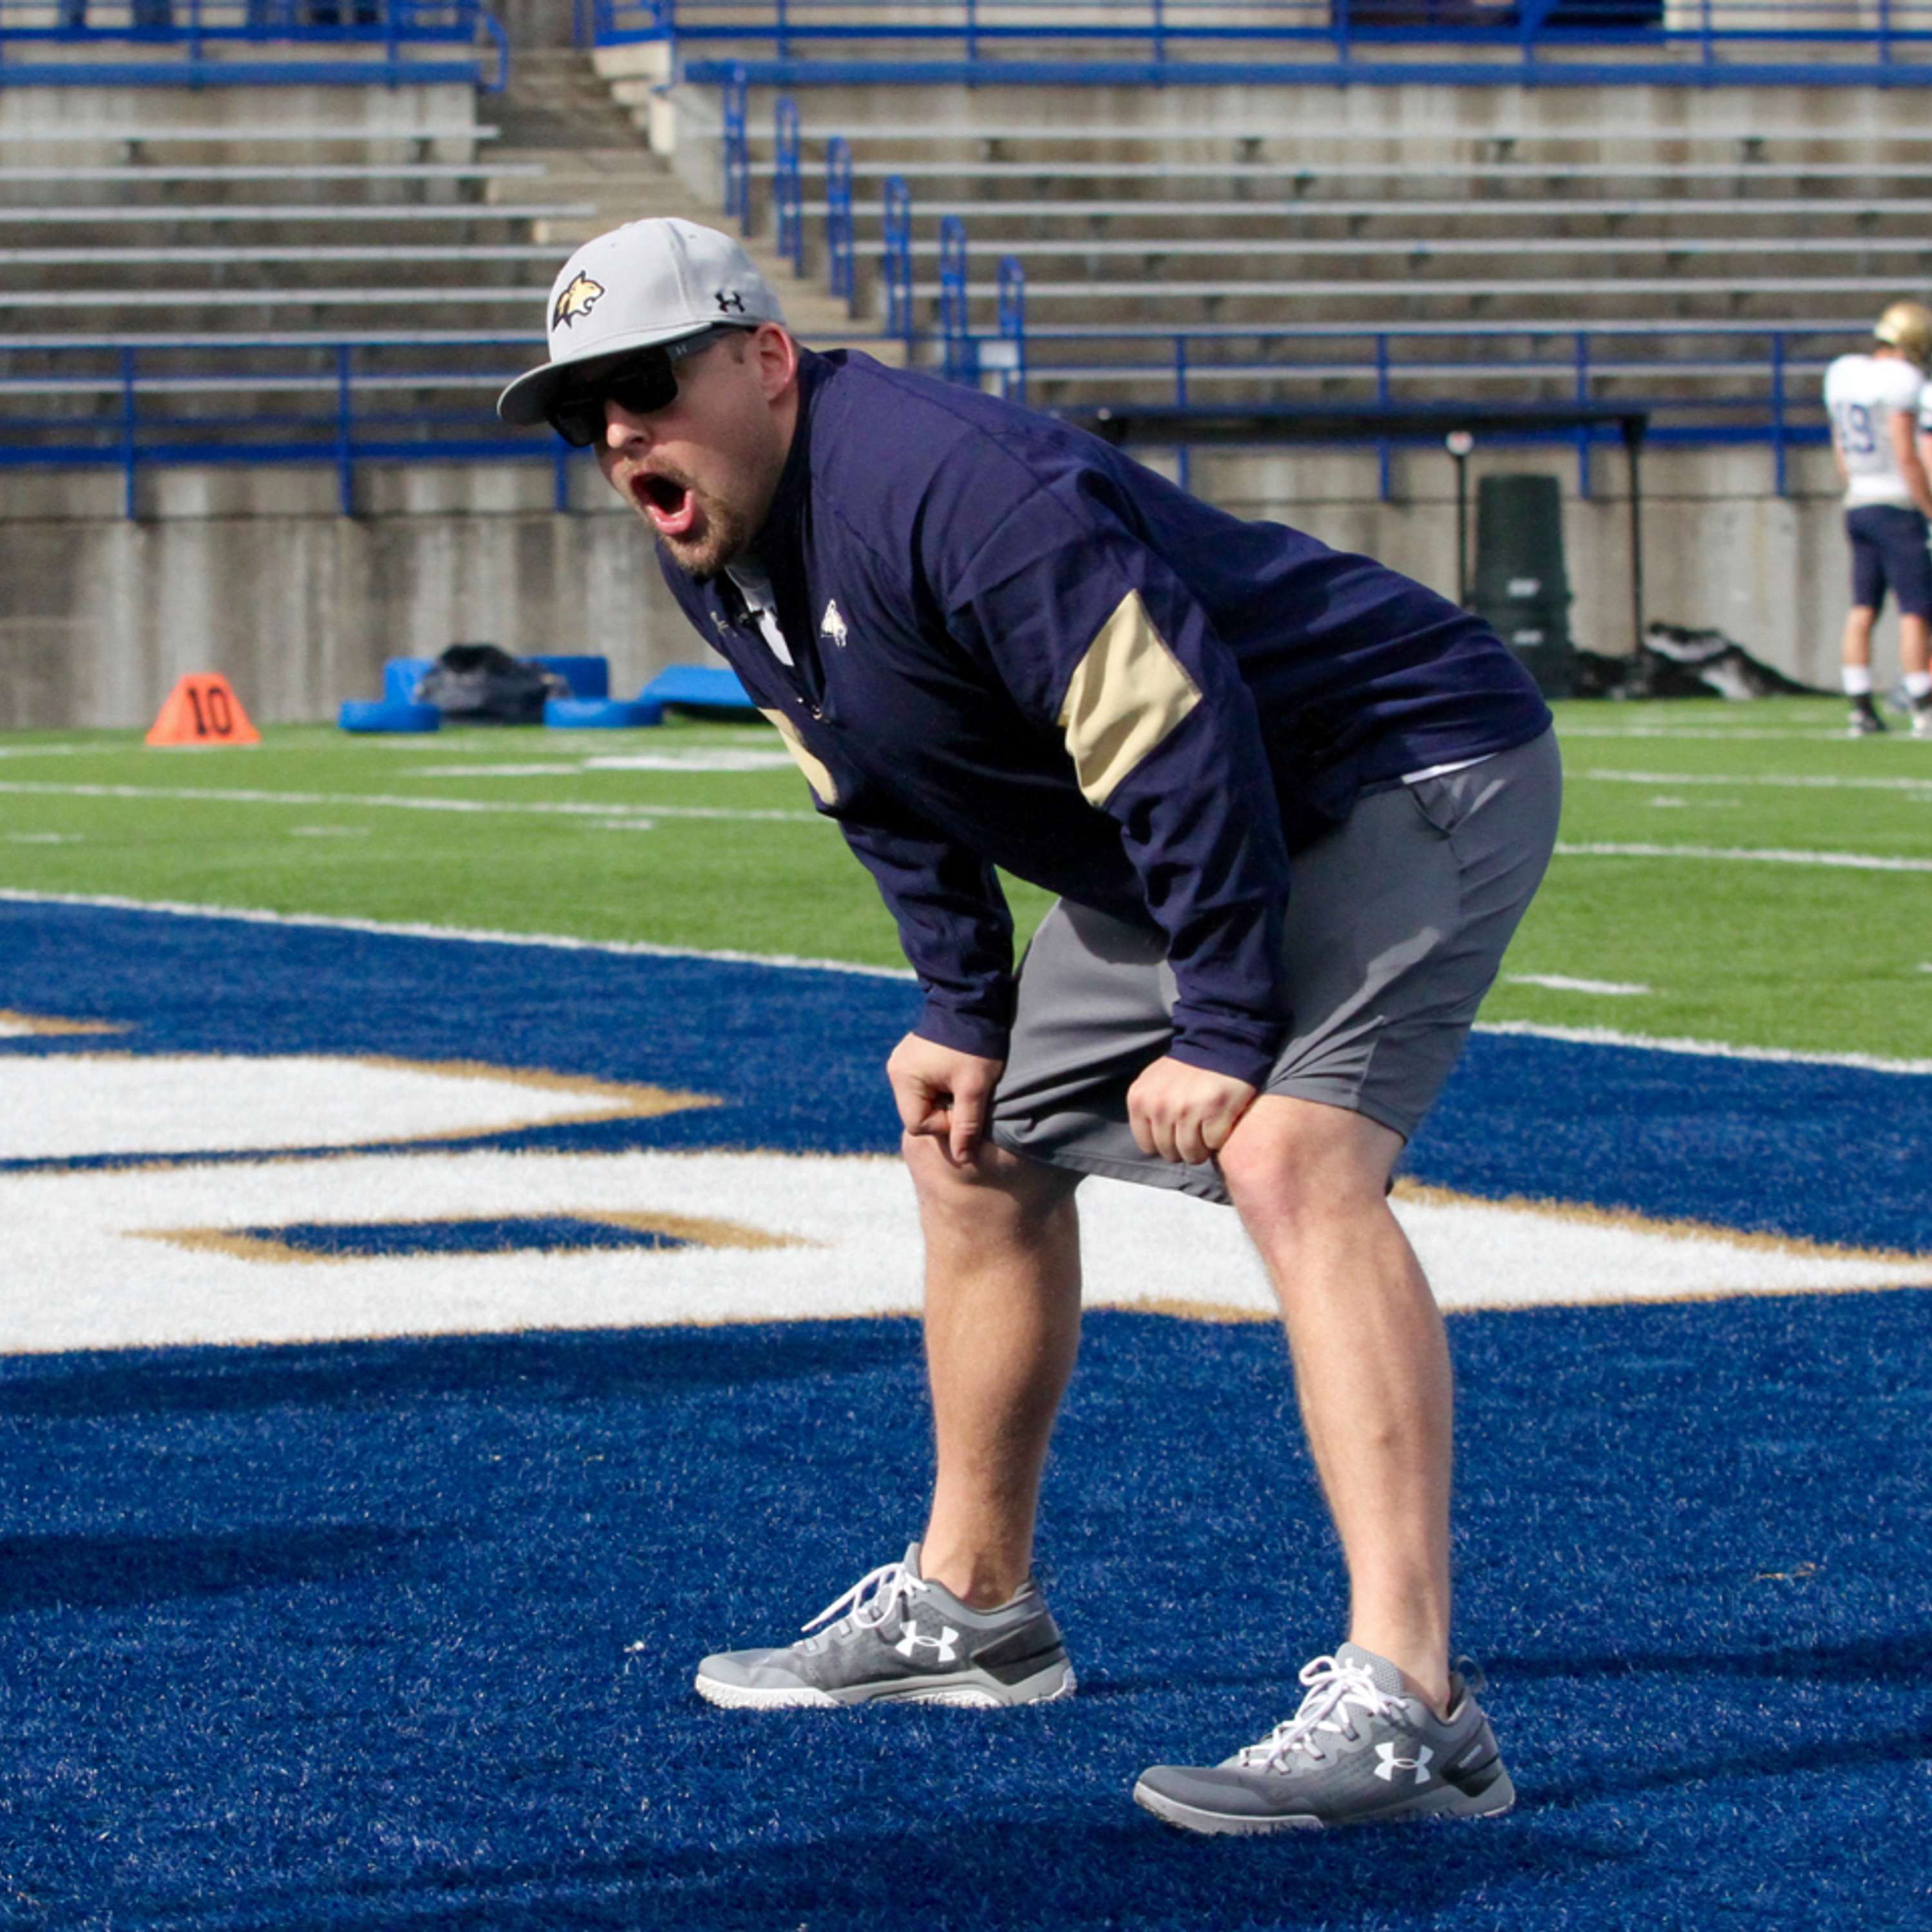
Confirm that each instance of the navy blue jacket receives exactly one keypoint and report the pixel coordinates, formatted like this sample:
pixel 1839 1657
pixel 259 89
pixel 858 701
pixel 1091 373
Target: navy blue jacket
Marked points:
pixel 1014 647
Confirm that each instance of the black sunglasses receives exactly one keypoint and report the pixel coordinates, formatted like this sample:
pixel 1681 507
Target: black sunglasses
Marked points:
pixel 637 384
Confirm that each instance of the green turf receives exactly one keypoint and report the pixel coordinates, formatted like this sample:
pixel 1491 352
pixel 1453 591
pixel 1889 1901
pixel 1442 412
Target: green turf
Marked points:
pixel 1794 956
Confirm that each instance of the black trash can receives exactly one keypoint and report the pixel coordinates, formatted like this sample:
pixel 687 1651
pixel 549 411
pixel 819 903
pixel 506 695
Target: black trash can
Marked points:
pixel 1522 589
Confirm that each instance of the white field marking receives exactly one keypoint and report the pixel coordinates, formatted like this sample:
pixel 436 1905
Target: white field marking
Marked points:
pixel 95 1233
pixel 328 831
pixel 47 838
pixel 53 751
pixel 790 962
pixel 1568 731
pixel 623 825
pixel 713 758
pixel 619 949
pixel 1561 983
pixel 1806 781
pixel 505 771
pixel 1857 861
pixel 698 758
pixel 82 1104
pixel 382 801
pixel 1868 1063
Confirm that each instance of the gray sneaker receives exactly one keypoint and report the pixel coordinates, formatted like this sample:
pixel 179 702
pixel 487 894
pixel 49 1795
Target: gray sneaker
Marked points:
pixel 1358 1749
pixel 900 1639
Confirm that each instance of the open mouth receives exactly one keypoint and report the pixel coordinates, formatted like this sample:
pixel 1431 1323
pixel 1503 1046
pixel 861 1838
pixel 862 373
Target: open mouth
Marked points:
pixel 669 504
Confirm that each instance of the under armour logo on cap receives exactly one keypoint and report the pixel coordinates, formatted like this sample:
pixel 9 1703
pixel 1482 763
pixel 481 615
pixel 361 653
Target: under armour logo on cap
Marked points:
pixel 732 303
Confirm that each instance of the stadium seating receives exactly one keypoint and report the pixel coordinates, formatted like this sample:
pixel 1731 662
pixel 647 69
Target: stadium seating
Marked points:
pixel 238 285
pixel 1172 259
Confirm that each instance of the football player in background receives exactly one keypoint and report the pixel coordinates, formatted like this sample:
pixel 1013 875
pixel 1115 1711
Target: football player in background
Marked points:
pixel 1875 398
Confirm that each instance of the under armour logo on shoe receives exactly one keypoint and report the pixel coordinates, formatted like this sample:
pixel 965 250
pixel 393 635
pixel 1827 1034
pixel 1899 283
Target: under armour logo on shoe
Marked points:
pixel 833 625
pixel 945 1646
pixel 1392 1761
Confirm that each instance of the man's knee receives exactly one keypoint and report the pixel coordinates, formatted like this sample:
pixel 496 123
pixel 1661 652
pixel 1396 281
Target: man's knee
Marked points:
pixel 993 1183
pixel 1295 1162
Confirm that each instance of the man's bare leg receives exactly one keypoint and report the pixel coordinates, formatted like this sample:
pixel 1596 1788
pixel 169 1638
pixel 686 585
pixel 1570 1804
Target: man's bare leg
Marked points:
pixel 1856 650
pixel 1913 636
pixel 1002 1329
pixel 1371 1364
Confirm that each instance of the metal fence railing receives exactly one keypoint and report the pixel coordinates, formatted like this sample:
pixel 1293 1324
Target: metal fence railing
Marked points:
pixel 136 406
pixel 1707 34
pixel 210 43
pixel 89 21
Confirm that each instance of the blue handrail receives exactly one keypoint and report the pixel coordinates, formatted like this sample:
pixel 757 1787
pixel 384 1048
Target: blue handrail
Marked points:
pixel 956 329
pixel 1012 328
pixel 737 164
pixel 788 192
pixel 842 278
pixel 895 257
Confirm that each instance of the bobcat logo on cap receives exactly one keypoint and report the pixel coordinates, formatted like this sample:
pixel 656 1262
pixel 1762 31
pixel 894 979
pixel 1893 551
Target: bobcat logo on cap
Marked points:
pixel 580 298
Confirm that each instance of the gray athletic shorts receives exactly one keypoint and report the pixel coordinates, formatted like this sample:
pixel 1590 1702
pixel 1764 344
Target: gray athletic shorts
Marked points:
pixel 1396 926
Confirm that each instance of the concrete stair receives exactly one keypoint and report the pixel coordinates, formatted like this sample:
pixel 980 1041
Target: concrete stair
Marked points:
pixel 557 111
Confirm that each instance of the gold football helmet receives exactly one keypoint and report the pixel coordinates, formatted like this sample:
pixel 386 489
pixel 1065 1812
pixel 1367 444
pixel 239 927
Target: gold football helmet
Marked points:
pixel 1906 326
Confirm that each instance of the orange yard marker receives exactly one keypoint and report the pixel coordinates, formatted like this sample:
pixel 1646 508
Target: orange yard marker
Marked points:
pixel 203 709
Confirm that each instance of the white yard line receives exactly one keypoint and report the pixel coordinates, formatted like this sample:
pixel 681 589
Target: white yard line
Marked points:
pixel 1567 732
pixel 1870 1063
pixel 386 802
pixel 1807 782
pixel 1561 983
pixel 1857 861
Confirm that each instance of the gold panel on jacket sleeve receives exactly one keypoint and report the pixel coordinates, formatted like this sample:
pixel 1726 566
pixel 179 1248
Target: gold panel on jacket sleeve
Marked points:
pixel 1127 695
pixel 824 786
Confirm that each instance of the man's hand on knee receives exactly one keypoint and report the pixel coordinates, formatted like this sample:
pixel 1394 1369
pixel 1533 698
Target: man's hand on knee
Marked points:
pixel 1185 1113
pixel 943 1092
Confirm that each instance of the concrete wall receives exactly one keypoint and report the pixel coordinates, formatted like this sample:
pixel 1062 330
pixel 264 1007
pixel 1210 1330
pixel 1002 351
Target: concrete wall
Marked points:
pixel 99 617
pixel 253 574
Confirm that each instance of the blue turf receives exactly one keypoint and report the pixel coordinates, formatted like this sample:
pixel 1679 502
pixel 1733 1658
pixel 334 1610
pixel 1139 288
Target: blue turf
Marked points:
pixel 399 1636
pixel 1834 1153
pixel 341 1637
pixel 507 1233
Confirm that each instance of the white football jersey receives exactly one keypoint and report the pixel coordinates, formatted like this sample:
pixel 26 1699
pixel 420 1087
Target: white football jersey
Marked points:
pixel 1862 393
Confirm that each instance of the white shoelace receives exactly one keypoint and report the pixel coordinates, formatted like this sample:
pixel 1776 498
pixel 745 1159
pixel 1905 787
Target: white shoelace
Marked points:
pixel 871 1600
pixel 1336 1692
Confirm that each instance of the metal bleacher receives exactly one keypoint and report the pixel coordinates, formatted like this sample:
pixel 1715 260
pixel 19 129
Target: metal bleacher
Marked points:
pixel 177 288
pixel 1709 275
pixel 339 288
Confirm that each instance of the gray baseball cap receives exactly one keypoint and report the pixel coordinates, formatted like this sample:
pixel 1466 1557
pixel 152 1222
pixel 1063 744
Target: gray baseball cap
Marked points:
pixel 640 286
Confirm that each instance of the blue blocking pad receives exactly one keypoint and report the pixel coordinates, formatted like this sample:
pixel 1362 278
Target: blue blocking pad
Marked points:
pixel 587 677
pixel 400 677
pixel 711 687
pixel 361 714
pixel 600 714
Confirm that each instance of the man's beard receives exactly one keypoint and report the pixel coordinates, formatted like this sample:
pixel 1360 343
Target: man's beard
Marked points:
pixel 723 534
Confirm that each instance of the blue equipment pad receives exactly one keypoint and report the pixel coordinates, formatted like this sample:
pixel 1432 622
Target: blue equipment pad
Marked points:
pixel 587 677
pixel 400 677
pixel 712 687
pixel 600 714
pixel 362 714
